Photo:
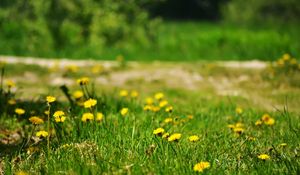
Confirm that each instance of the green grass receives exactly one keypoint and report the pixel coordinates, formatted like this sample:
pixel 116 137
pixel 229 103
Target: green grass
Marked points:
pixel 126 144
pixel 189 41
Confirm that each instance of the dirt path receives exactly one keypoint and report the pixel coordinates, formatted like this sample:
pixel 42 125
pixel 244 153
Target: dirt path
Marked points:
pixel 255 64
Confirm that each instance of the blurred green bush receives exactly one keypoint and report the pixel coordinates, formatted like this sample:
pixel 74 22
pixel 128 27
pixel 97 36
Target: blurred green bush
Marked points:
pixel 262 11
pixel 40 27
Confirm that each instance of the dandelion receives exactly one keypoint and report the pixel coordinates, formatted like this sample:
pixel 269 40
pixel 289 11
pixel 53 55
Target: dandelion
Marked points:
pixel 10 84
pixel 60 119
pixel 147 108
pixel 258 123
pixel 163 103
pixel 78 94
pixel 134 94
pixel 83 81
pixel 42 134
pixel 99 117
pixel 19 111
pixel 158 131
pixel 174 137
pixel 268 120
pixel 239 110
pixel 168 120
pixel 58 113
pixel 149 101
pixel 123 93
pixel 90 103
pixel 165 135
pixel 169 109
pixel 12 102
pixel 21 173
pixel 286 57
pixel 263 157
pixel 199 167
pixel 36 120
pixel 238 130
pixel 50 99
pixel 124 111
pixel 59 116
pixel 155 108
pixel 159 96
pixel 231 126
pixel 193 138
pixel 87 117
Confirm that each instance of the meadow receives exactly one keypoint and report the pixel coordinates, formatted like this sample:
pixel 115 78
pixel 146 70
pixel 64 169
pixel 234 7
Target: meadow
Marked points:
pixel 123 117
pixel 180 41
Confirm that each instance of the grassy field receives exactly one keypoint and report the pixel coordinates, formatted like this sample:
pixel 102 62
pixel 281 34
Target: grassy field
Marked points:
pixel 242 120
pixel 190 41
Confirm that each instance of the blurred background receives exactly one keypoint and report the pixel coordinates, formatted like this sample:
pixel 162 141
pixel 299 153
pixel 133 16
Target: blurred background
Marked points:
pixel 175 30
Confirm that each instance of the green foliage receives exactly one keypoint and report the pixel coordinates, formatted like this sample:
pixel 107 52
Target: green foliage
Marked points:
pixel 39 27
pixel 263 11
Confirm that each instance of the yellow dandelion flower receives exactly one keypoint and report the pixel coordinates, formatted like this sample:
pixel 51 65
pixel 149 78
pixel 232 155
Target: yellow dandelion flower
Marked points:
pixel 239 125
pixel 174 137
pixel 50 99
pixel 87 117
pixel 36 120
pixel 231 126
pixel 168 120
pixel 238 130
pixel 99 117
pixel 47 112
pixel 199 167
pixel 42 134
pixel 147 108
pixel 78 94
pixel 19 111
pixel 124 111
pixel 159 131
pixel 286 57
pixel 12 102
pixel 193 138
pixel 149 101
pixel 258 123
pixel 265 117
pixel 169 109
pixel 123 93
pixel 134 94
pixel 268 120
pixel 90 103
pixel 263 157
pixel 165 135
pixel 60 119
pixel 155 108
pixel 83 81
pixel 239 110
pixel 10 83
pixel 58 114
pixel 159 96
pixel 21 173
pixel 163 103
